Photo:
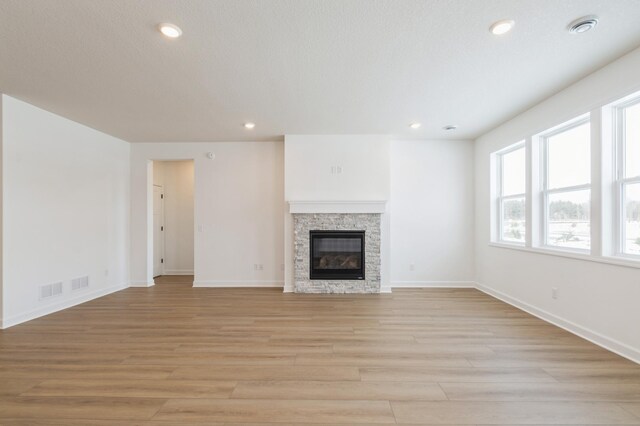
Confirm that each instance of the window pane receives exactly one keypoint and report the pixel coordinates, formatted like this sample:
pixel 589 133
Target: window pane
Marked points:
pixel 632 218
pixel 513 172
pixel 513 220
pixel 570 157
pixel 568 219
pixel 632 140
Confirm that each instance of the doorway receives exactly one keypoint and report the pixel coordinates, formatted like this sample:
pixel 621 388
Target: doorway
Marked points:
pixel 173 218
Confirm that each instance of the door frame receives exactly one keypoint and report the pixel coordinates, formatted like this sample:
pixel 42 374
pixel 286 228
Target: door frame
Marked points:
pixel 147 248
pixel 162 238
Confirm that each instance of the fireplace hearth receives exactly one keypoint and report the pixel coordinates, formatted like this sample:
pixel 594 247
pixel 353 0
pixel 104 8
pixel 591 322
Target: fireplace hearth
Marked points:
pixel 337 255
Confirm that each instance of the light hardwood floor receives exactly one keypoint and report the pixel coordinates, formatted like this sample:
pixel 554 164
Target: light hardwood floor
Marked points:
pixel 172 355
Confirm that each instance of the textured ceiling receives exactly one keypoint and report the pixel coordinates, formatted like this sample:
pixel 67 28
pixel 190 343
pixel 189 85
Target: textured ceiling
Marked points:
pixel 300 66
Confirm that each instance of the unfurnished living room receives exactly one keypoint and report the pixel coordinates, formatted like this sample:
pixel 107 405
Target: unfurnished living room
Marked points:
pixel 323 212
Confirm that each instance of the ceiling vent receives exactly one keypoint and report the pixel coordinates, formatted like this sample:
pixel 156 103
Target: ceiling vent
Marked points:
pixel 584 24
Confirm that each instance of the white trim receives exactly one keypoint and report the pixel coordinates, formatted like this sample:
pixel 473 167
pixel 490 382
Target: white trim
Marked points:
pixel 499 183
pixel 619 172
pixel 237 283
pixel 162 233
pixel 55 307
pixel 385 290
pixel 338 206
pixel 545 191
pixel 607 343
pixel 178 272
pixel 575 188
pixel 513 197
pixel 433 284
pixel 142 284
pixel 618 261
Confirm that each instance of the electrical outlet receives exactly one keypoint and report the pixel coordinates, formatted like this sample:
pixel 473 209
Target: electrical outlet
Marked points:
pixel 554 292
pixel 412 267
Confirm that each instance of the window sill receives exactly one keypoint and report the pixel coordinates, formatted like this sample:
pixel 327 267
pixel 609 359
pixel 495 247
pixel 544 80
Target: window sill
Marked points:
pixel 611 260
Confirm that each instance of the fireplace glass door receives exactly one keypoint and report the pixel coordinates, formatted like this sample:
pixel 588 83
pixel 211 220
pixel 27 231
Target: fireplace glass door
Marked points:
pixel 337 255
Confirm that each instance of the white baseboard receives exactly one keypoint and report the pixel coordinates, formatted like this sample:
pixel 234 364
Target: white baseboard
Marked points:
pixel 55 307
pixel 141 284
pixel 607 343
pixel 239 283
pixel 433 284
pixel 178 272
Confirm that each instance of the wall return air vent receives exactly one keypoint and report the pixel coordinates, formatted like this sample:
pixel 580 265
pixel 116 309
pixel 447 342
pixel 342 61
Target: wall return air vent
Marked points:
pixel 50 290
pixel 79 283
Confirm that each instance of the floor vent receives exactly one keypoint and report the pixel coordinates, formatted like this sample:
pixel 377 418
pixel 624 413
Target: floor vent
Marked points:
pixel 78 283
pixel 50 290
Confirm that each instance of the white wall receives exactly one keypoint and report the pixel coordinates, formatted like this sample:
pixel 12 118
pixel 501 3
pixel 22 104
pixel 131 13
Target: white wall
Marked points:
pixel 596 300
pixel 432 213
pixel 311 174
pixel 429 185
pixel 177 180
pixel 238 210
pixel 66 210
pixel 309 159
pixel 1 213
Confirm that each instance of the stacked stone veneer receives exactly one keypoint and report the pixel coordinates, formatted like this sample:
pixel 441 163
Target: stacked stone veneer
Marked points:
pixel 305 222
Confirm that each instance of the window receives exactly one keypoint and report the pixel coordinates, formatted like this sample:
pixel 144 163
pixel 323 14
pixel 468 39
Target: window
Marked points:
pixel 542 192
pixel 566 186
pixel 511 194
pixel 628 176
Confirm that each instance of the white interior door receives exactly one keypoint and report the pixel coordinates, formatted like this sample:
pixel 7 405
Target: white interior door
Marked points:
pixel 158 230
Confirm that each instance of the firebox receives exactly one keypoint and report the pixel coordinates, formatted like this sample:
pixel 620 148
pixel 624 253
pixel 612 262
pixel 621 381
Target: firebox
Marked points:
pixel 336 255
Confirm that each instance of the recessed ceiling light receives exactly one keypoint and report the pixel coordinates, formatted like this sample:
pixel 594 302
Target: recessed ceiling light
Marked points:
pixel 582 25
pixel 450 127
pixel 249 125
pixel 502 27
pixel 415 125
pixel 170 30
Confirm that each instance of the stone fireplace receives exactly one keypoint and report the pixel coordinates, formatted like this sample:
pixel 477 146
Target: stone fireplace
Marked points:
pixel 337 248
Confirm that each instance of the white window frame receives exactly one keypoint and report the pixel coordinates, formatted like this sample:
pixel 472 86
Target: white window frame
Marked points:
pixel 545 192
pixel 606 187
pixel 501 198
pixel 620 181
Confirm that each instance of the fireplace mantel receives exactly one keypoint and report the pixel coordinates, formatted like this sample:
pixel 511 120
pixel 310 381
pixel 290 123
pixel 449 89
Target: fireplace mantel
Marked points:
pixel 326 206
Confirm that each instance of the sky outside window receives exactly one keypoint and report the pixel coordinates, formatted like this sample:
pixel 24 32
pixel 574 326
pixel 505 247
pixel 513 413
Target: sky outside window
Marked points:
pixel 569 155
pixel 513 172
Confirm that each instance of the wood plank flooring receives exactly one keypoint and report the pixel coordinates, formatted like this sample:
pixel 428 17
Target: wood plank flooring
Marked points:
pixel 173 355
